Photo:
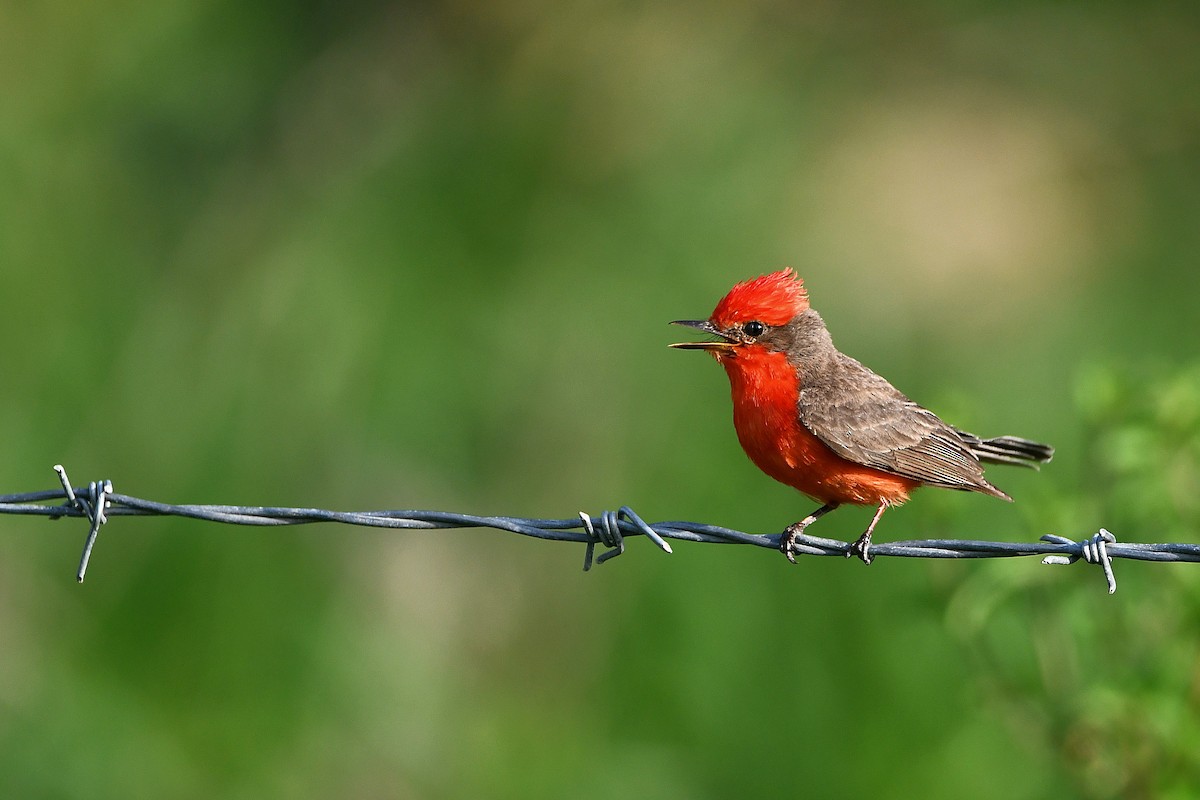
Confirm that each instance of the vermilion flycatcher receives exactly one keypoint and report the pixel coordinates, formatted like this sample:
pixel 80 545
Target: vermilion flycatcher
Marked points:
pixel 819 421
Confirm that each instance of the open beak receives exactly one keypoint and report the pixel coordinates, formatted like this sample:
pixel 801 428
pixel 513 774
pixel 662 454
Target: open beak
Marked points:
pixel 726 342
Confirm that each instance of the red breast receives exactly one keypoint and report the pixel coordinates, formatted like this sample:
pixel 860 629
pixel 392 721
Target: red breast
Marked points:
pixel 766 392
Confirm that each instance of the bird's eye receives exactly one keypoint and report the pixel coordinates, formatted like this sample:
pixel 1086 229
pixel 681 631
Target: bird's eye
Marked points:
pixel 754 329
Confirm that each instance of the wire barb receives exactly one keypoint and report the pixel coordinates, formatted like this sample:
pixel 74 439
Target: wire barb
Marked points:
pixel 93 508
pixel 609 534
pixel 1093 550
pixel 609 528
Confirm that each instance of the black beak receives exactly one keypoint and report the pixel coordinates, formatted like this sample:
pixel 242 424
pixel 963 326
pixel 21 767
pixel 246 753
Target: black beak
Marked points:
pixel 727 342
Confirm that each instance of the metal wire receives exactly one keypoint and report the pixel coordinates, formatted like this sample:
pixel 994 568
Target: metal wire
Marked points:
pixel 98 503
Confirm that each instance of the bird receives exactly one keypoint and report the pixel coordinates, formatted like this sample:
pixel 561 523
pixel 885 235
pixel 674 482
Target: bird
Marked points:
pixel 813 418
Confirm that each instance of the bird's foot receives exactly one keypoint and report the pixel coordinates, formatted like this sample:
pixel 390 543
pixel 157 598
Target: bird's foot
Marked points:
pixel 790 534
pixel 861 548
pixel 788 540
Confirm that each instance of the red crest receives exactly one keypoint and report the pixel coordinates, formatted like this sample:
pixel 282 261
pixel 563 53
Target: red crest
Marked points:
pixel 771 299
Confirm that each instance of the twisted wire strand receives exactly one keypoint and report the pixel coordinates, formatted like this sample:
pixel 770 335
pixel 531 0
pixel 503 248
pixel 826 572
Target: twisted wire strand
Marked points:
pixel 98 503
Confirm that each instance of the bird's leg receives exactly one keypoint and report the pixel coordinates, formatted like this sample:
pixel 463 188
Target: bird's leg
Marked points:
pixel 862 545
pixel 796 528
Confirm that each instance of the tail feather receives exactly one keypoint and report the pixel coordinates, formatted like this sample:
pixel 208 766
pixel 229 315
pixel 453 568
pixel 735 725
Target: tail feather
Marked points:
pixel 1008 450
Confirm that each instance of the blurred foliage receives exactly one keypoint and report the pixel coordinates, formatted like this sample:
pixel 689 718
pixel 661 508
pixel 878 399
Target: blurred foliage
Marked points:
pixel 1113 690
pixel 422 255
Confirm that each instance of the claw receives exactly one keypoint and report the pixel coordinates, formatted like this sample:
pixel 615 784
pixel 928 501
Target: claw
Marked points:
pixel 861 548
pixel 789 537
pixel 862 545
pixel 793 531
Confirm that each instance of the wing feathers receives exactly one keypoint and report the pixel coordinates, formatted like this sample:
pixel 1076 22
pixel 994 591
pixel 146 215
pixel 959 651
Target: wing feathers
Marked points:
pixel 864 419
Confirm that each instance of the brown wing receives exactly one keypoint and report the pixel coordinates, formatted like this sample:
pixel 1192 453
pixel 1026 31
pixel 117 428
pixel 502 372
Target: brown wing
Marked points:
pixel 865 419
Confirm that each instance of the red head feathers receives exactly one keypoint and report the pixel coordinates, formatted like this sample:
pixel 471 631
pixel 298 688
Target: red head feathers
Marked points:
pixel 771 299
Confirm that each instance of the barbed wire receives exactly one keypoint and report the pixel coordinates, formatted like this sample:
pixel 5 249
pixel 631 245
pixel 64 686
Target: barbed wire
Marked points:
pixel 98 502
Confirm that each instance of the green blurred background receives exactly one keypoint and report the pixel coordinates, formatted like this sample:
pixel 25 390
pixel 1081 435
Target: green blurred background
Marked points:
pixel 423 256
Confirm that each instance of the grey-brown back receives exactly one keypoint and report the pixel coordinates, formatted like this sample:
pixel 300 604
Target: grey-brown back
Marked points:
pixel 864 419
